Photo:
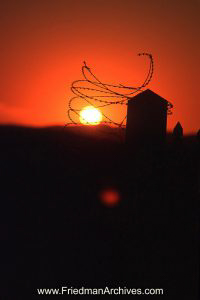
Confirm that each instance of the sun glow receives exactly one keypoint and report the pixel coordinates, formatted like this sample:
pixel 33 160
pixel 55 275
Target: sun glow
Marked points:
pixel 90 115
pixel 110 197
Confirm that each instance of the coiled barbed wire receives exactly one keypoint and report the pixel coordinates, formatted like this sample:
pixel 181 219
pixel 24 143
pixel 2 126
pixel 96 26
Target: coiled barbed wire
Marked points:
pixel 95 91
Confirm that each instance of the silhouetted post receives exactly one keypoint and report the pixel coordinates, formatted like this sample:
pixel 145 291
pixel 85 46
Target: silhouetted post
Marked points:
pixel 146 119
pixel 178 132
pixel 198 135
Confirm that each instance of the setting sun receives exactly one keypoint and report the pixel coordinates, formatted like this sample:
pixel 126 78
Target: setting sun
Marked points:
pixel 90 115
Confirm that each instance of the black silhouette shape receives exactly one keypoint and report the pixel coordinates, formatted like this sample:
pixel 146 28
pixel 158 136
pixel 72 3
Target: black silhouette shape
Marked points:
pixel 146 118
pixel 62 233
pixel 198 135
pixel 178 131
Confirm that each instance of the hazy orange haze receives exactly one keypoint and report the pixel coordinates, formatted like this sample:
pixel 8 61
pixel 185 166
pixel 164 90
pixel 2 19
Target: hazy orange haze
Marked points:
pixel 44 43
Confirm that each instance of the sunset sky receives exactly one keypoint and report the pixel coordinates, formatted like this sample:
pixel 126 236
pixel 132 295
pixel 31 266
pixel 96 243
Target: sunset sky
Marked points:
pixel 44 44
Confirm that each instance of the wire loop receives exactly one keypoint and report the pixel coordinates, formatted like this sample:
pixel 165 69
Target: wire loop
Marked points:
pixel 92 90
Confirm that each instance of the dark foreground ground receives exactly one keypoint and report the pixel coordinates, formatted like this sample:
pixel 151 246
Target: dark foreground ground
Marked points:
pixel 55 232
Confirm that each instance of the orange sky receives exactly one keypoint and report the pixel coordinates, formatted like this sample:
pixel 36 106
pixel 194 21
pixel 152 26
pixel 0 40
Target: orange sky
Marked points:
pixel 44 43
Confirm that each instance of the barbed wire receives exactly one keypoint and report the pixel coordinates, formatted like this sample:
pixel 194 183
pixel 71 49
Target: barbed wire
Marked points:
pixel 98 94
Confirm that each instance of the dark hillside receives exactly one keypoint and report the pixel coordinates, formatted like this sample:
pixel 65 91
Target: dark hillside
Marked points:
pixel 55 230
